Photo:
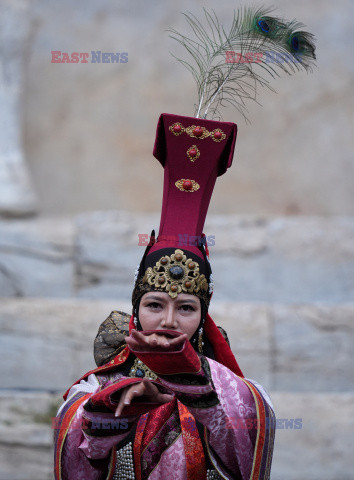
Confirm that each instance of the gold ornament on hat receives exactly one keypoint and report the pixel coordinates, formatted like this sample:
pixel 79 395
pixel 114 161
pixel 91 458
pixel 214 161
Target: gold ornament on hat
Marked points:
pixel 187 185
pixel 196 131
pixel 177 129
pixel 175 274
pixel 193 153
pixel 218 135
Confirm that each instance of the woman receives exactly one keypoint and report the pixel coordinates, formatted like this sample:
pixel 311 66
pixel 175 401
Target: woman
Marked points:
pixel 172 403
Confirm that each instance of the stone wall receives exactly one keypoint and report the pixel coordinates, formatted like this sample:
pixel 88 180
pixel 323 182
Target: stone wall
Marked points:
pixel 88 129
pixel 17 197
pixel 255 259
pixel 283 292
pixel 292 348
pixel 301 354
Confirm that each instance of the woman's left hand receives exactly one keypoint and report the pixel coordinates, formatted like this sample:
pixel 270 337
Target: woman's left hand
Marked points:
pixel 144 389
pixel 138 341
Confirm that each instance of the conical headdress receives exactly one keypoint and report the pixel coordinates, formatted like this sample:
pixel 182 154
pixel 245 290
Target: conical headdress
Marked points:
pixel 193 153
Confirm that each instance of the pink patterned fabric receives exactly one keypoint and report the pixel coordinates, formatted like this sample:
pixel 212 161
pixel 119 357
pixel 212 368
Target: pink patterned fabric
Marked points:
pixel 78 450
pixel 173 462
pixel 231 448
pixel 236 405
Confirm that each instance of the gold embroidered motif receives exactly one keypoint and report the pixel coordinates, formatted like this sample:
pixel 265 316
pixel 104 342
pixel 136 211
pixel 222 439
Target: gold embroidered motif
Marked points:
pixel 140 370
pixel 193 153
pixel 196 131
pixel 187 185
pixel 175 274
pixel 218 135
pixel 177 129
pixel 123 355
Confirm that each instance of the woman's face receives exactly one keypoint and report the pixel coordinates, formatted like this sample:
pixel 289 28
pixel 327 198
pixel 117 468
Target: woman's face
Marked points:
pixel 158 311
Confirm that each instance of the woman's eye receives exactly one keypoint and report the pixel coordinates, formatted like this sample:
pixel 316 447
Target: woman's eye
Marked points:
pixel 187 308
pixel 154 305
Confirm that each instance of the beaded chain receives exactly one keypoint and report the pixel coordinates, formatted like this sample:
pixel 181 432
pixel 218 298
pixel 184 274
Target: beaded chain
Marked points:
pixel 213 475
pixel 125 463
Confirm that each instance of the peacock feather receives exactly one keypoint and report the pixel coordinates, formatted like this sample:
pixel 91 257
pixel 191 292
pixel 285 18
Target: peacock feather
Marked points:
pixel 230 66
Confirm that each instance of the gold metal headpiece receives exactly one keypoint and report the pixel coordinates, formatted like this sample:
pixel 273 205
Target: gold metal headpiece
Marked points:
pixel 175 274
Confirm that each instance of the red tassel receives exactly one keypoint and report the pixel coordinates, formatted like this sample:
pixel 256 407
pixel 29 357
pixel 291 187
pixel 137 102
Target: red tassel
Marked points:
pixel 222 351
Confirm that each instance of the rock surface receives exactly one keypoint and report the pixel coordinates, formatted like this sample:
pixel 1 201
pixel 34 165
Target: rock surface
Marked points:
pixel 26 435
pixel 321 449
pixel 283 292
pixel 47 344
pixel 254 259
pixel 17 197
pixel 314 348
pixel 37 257
pixel 89 128
pixel 55 338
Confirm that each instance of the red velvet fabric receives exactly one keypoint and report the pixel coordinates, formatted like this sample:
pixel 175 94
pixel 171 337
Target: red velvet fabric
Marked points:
pixel 183 213
pixel 103 397
pixel 184 360
pixel 222 351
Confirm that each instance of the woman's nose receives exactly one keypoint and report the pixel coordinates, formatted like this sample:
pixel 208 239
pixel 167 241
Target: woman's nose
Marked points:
pixel 169 320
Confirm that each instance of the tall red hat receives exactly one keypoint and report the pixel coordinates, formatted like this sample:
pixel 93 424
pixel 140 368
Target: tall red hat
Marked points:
pixel 193 153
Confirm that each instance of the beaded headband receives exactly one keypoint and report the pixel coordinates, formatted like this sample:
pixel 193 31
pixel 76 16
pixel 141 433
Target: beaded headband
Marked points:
pixel 174 271
pixel 175 274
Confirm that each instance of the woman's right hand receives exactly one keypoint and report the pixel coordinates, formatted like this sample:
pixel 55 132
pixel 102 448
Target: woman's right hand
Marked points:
pixel 142 341
pixel 145 388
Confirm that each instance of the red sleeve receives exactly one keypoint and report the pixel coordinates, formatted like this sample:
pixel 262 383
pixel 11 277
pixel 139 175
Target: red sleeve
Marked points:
pixel 184 360
pixel 185 373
